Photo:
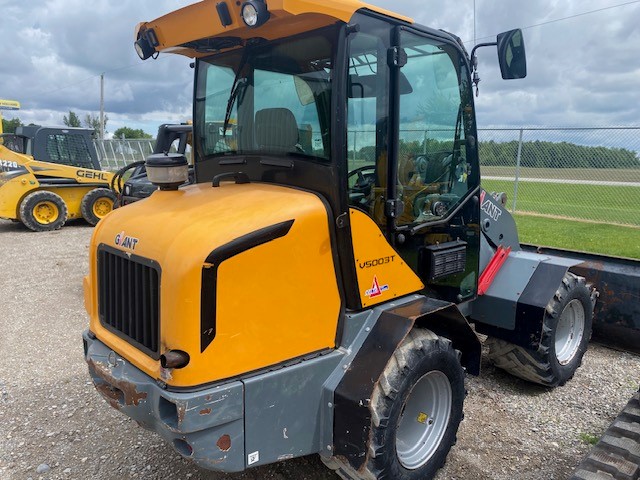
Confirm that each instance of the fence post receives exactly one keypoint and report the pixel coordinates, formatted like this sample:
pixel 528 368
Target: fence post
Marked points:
pixel 515 187
pixel 355 136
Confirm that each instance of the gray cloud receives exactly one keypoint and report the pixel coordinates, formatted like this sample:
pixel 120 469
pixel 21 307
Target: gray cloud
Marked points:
pixel 582 71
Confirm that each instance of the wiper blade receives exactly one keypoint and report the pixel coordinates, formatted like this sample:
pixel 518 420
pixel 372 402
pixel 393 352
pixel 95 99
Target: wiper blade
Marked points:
pixel 235 89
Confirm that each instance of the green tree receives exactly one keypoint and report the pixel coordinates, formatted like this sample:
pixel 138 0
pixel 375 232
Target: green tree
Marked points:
pixel 9 126
pixel 127 132
pixel 93 121
pixel 72 120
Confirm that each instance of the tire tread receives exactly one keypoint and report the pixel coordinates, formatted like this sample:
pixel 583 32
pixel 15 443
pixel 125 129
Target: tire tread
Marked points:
pixel 30 201
pixel 416 343
pixel 617 455
pixel 534 365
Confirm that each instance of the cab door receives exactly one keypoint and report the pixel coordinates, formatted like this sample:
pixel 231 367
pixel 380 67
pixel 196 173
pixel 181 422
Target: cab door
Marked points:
pixel 412 153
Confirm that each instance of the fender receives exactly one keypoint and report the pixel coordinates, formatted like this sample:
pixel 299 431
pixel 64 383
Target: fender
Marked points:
pixel 352 416
pixel 513 307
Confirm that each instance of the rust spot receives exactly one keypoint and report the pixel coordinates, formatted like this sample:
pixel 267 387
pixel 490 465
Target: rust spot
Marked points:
pixel 111 391
pixel 224 443
pixel 109 394
pixel 182 410
pixel 207 398
pixel 205 411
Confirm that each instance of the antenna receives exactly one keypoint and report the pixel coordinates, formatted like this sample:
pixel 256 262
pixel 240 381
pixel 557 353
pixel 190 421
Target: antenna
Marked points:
pixel 474 22
pixel 101 132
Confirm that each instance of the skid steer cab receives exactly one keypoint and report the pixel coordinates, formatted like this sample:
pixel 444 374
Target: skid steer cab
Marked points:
pixel 50 175
pixel 312 291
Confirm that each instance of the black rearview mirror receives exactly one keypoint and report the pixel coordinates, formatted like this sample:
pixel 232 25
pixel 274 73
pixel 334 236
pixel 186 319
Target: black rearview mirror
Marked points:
pixel 511 54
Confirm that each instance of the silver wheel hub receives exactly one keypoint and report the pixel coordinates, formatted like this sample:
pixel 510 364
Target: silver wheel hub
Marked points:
pixel 424 420
pixel 569 331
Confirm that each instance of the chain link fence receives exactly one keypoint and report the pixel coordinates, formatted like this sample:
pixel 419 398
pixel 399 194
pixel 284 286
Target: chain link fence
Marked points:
pixel 115 154
pixel 577 173
pixel 588 174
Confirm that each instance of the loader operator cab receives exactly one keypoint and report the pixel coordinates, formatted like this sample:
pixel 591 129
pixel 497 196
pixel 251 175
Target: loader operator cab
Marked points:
pixel 376 116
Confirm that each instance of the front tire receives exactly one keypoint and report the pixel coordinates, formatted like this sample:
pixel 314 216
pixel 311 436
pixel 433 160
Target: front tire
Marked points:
pixel 96 204
pixel 565 337
pixel 43 211
pixel 416 408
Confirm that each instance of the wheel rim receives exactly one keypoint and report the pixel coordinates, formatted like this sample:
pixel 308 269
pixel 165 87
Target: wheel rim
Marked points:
pixel 46 212
pixel 569 331
pixel 102 206
pixel 424 420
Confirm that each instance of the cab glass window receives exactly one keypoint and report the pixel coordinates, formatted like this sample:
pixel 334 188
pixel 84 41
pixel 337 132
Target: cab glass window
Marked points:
pixel 368 117
pixel 69 149
pixel 436 123
pixel 271 99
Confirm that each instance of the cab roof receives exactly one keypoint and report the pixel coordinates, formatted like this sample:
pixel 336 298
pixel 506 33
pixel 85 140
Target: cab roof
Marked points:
pixel 197 30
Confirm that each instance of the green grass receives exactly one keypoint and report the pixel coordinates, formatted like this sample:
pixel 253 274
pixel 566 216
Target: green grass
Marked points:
pixel 584 236
pixel 619 205
pixel 588 438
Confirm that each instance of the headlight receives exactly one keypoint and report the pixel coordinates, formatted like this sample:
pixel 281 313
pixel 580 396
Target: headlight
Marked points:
pixel 146 44
pixel 254 13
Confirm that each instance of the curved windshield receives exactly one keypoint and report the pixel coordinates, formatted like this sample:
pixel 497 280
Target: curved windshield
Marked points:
pixel 267 99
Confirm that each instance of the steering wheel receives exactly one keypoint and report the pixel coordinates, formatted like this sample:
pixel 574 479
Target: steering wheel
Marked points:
pixel 366 178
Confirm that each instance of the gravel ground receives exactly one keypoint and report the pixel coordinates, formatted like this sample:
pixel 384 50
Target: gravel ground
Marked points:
pixel 53 424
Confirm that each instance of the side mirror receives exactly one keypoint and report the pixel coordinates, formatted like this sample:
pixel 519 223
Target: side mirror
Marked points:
pixel 511 54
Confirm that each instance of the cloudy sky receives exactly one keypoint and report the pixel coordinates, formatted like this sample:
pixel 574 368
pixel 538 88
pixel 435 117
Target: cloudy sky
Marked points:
pixel 584 68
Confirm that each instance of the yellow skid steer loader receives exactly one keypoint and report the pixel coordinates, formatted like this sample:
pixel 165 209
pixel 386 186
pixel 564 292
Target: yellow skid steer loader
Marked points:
pixel 50 175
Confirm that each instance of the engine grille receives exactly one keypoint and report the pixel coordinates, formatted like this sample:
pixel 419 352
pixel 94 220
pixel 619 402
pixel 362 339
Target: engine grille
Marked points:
pixel 129 298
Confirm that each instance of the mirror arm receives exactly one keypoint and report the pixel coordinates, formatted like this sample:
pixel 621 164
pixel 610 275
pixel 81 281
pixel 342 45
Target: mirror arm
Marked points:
pixel 473 52
pixel 474 64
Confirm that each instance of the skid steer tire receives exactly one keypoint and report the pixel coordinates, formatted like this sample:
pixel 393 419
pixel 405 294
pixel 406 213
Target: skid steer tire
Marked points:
pixel 566 331
pixel 96 204
pixel 43 211
pixel 617 455
pixel 416 408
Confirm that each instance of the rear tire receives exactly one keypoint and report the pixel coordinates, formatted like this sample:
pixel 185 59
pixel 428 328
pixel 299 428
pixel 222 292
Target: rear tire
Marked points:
pixel 43 211
pixel 96 204
pixel 416 409
pixel 566 331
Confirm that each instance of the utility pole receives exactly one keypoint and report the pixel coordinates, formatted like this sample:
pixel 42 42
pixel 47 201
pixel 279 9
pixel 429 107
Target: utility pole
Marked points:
pixel 102 106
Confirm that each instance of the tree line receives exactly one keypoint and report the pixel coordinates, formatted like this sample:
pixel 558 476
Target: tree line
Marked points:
pixel 535 154
pixel 542 154
pixel 73 120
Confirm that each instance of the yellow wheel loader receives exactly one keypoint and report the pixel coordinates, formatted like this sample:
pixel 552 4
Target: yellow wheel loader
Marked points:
pixel 303 297
pixel 51 175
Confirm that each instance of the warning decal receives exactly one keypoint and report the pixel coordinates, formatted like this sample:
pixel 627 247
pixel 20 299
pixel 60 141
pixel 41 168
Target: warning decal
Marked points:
pixel 376 289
